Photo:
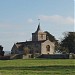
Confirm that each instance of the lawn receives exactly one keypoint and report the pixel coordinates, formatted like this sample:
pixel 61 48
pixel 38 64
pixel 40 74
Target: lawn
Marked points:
pixel 37 67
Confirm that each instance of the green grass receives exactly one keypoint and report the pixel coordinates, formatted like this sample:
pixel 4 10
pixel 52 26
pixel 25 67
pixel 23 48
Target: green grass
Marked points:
pixel 37 67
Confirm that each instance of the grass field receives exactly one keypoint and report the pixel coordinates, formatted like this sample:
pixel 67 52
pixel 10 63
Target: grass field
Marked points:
pixel 37 67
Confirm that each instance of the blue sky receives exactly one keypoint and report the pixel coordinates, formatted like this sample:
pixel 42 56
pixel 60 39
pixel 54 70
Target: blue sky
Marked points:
pixel 19 18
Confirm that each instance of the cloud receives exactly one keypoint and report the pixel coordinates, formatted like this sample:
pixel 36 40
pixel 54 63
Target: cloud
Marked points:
pixel 30 21
pixel 57 19
pixel 12 35
pixel 10 26
pixel 4 25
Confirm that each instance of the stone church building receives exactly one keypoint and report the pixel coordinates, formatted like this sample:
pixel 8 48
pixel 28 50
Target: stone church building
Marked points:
pixel 39 45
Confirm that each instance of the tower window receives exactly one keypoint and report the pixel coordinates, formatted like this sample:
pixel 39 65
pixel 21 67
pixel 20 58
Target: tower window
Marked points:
pixel 42 36
pixel 48 48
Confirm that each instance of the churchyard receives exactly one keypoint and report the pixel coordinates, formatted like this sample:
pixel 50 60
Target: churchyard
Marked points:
pixel 37 67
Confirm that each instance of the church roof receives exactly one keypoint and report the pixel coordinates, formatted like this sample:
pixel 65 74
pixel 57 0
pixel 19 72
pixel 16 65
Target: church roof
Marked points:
pixel 30 42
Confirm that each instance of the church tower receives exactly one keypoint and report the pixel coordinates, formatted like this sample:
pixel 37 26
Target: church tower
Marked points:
pixel 38 35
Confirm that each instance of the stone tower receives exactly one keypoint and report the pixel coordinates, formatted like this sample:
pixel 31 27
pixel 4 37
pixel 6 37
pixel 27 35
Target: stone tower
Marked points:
pixel 38 35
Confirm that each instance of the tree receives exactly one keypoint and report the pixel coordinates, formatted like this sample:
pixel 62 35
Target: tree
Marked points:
pixel 1 51
pixel 67 44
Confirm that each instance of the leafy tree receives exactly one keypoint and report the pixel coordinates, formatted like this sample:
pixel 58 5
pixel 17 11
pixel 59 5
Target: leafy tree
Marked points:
pixel 1 51
pixel 67 44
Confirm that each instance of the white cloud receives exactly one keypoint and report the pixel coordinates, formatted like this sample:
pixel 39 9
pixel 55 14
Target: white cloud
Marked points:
pixel 12 36
pixel 10 26
pixel 57 19
pixel 30 21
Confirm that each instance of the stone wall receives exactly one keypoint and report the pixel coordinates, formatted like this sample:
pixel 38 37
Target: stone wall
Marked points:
pixel 4 57
pixel 55 56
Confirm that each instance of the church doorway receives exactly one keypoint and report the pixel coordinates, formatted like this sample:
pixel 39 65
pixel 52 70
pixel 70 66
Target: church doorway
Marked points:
pixel 48 48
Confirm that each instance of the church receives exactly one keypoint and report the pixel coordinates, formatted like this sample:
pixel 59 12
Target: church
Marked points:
pixel 39 45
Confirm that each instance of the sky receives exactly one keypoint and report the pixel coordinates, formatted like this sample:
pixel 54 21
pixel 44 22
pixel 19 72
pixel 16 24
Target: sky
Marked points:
pixel 19 19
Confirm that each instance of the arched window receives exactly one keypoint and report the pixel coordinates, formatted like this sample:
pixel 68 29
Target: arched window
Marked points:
pixel 48 48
